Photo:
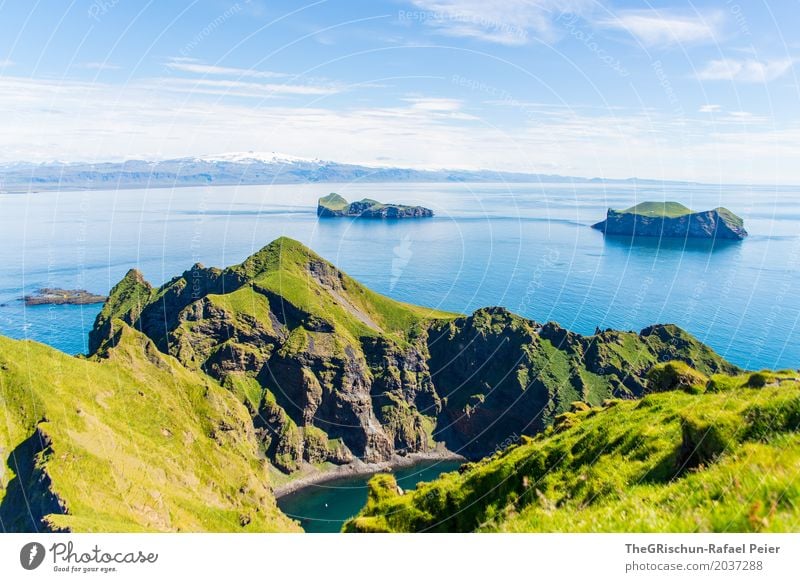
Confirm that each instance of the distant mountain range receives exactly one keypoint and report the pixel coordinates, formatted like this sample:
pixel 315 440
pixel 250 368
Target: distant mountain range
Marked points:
pixel 247 168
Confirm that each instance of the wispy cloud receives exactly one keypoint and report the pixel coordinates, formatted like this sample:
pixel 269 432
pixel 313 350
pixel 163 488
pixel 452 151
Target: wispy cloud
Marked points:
pixel 739 118
pixel 78 120
pixel 745 71
pixel 204 78
pixel 6 63
pixel 188 65
pixel 510 22
pixel 233 88
pixel 100 66
pixel 659 28
pixel 434 103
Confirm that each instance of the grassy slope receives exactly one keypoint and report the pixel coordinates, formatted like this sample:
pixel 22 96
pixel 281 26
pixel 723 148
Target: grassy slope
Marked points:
pixel 729 217
pixel 721 455
pixel 659 209
pixel 138 442
pixel 333 202
pixel 282 267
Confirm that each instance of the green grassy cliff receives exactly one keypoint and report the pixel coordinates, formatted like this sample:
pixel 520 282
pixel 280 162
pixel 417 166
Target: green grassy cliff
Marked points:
pixel 694 454
pixel 332 371
pixel 131 442
pixel 658 209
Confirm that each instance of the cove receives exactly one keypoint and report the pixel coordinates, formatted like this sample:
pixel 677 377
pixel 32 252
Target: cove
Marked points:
pixel 324 507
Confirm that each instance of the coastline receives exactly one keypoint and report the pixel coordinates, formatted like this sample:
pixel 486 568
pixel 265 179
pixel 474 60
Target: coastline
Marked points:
pixel 361 468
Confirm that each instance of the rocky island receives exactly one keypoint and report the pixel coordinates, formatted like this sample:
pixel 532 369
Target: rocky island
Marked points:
pixel 672 220
pixel 334 205
pixel 55 296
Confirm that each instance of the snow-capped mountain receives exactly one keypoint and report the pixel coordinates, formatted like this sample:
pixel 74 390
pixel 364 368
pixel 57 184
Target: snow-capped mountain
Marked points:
pixel 255 157
pixel 236 168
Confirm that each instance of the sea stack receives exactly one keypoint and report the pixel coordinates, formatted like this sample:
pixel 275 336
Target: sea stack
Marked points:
pixel 672 220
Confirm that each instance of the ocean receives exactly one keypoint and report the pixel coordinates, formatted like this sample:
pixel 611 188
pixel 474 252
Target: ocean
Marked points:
pixel 527 247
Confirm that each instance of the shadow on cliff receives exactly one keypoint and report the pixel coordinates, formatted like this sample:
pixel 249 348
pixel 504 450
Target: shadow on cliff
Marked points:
pixel 28 497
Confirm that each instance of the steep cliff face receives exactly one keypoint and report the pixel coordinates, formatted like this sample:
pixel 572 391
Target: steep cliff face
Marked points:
pixel 333 205
pixel 719 223
pixel 695 454
pixel 501 376
pixel 331 371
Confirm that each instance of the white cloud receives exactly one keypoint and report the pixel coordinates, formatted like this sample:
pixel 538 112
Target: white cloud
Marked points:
pixel 187 65
pixel 232 88
pixel 710 108
pixel 434 103
pixel 212 81
pixel 508 22
pixel 746 71
pixel 6 63
pixel 100 66
pixel 658 28
pixel 74 120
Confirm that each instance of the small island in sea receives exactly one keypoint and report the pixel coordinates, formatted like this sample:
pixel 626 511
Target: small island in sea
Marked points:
pixel 672 220
pixel 54 296
pixel 333 205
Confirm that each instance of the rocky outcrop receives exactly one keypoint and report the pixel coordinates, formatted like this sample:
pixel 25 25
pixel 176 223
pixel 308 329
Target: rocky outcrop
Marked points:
pixel 332 371
pixel 55 296
pixel 333 205
pixel 716 224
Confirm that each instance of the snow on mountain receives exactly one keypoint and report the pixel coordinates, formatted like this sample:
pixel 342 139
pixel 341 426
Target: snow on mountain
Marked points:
pixel 235 168
pixel 261 157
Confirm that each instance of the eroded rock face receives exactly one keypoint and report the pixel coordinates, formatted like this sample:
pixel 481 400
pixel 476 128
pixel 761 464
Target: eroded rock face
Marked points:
pixel 711 224
pixel 334 384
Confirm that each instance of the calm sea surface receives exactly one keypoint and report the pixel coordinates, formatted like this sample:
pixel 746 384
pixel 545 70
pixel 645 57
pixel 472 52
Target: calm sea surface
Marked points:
pixel 527 247
pixel 323 508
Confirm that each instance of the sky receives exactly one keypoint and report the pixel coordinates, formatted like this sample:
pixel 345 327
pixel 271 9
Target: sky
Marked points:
pixel 704 91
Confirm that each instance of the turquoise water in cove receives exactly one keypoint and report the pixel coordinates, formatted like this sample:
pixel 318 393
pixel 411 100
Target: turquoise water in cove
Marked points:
pixel 527 247
pixel 323 508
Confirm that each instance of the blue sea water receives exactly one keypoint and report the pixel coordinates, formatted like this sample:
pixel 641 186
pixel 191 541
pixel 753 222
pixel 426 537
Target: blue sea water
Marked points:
pixel 527 247
pixel 324 507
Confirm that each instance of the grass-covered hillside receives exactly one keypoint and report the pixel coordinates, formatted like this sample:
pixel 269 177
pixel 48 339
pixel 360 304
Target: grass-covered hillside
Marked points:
pixel 333 202
pixel 658 209
pixel 332 371
pixel 132 442
pixel 696 453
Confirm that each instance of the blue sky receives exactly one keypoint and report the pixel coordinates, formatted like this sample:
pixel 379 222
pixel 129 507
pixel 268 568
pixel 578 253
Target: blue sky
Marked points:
pixel 699 91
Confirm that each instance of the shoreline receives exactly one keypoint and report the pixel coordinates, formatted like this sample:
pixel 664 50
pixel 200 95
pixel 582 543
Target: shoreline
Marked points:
pixel 357 468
